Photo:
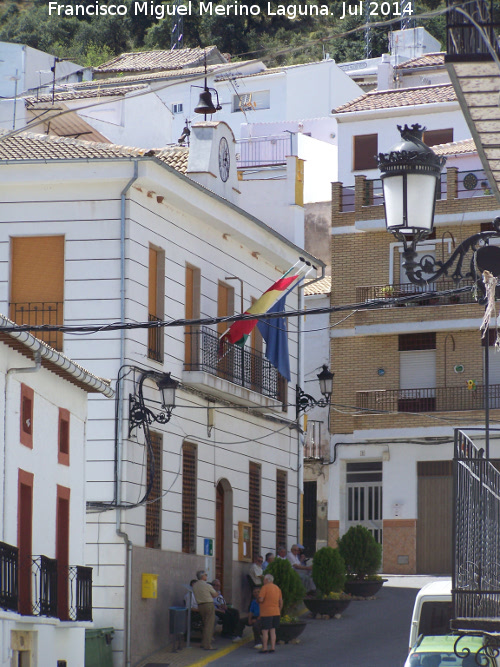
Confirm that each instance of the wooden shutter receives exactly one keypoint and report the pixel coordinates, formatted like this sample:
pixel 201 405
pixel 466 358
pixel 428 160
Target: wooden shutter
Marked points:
pixel 62 551
pixel 365 151
pixel 191 333
pixel 281 505
pixel 63 437
pixel 254 492
pixel 435 137
pixel 189 498
pixel 225 305
pixel 26 426
pixel 156 301
pixel 25 538
pixel 153 282
pixel 153 509
pixel 37 284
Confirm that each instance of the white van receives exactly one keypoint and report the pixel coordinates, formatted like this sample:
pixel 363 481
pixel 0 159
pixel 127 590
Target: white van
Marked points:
pixel 432 611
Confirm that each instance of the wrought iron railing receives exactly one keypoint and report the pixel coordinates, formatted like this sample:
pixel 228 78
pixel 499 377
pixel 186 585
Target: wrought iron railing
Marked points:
pixel 261 151
pixel 377 292
pixel 313 448
pixel 44 588
pixel 9 566
pixel 476 536
pixel 80 593
pixel 236 364
pixel 155 340
pixel 36 313
pixel 470 30
pixel 428 399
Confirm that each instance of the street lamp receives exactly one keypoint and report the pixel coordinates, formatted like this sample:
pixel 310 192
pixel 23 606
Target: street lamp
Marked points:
pixel 305 401
pixel 410 174
pixel 139 414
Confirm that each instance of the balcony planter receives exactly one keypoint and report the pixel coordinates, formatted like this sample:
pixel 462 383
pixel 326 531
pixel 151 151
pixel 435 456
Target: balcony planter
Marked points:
pixel 364 588
pixel 328 607
pixel 289 630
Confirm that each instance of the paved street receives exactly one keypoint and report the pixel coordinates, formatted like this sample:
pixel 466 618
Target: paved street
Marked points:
pixel 372 633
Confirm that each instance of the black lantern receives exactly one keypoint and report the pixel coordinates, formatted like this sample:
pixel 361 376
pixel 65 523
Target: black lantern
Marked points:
pixel 410 175
pixel 139 414
pixel 305 401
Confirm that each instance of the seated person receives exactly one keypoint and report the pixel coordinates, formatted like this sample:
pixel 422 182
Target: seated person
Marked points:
pixel 304 571
pixel 230 617
pixel 281 552
pixel 254 618
pixel 268 560
pixel 255 571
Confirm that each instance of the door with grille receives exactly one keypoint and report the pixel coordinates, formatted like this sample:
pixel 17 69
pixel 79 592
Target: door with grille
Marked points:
pixel 364 496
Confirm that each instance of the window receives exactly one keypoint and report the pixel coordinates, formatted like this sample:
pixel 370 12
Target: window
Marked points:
pixel 153 508
pixel 254 491
pixel 63 437
pixel 192 300
pixel 189 498
pixel 420 341
pixel 62 551
pixel 25 538
pixel 37 284
pixel 156 301
pixel 417 372
pixel 435 137
pixel 281 505
pixel 251 101
pixel 26 434
pixel 225 306
pixel 177 108
pixel 365 151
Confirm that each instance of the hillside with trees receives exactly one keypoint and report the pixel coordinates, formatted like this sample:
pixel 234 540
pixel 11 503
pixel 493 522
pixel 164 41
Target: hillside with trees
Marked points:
pixel 277 39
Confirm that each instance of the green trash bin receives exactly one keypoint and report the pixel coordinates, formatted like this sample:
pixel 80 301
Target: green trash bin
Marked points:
pixel 98 651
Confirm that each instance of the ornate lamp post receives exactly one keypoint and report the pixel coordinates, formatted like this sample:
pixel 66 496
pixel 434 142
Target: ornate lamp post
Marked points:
pixel 305 401
pixel 139 414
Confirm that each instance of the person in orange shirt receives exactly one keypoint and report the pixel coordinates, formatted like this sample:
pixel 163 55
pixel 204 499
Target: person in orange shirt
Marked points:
pixel 271 604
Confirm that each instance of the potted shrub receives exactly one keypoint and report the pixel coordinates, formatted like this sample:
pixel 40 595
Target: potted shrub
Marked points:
pixel 329 576
pixel 293 592
pixel 362 556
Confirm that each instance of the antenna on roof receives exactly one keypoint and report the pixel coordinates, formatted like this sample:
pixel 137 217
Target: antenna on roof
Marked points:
pixel 177 34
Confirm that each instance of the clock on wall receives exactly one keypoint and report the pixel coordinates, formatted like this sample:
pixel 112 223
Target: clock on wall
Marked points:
pixel 224 159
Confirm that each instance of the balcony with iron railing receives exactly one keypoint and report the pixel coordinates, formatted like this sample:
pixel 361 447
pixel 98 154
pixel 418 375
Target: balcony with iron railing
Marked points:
pixel 34 589
pixel 263 151
pixel 430 399
pixel 221 368
pixel 155 340
pixel 470 31
pixel 36 313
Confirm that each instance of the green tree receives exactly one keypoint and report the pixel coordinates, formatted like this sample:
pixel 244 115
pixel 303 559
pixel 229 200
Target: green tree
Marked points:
pixel 328 571
pixel 361 552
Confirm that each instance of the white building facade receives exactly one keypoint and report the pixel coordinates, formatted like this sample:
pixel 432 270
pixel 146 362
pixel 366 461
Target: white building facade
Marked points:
pixel 138 240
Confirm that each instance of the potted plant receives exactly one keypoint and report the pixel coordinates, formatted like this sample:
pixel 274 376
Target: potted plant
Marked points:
pixel 329 576
pixel 362 556
pixel 293 592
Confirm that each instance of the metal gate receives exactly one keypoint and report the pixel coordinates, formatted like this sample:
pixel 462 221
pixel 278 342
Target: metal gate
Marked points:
pixel 364 496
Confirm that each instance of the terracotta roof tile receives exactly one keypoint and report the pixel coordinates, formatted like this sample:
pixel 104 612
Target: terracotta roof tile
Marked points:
pixel 323 286
pixel 28 146
pixel 79 94
pixel 427 60
pixel 157 60
pixel 399 97
pixel 456 147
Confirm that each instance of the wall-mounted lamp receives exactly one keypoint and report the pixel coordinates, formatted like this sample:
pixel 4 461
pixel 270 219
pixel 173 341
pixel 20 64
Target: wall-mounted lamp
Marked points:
pixel 305 401
pixel 139 414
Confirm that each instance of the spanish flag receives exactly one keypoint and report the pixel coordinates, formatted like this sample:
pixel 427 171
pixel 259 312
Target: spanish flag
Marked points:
pixel 239 331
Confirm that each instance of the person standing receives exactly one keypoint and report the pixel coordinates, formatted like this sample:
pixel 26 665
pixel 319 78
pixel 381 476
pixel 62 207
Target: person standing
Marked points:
pixel 204 594
pixel 271 604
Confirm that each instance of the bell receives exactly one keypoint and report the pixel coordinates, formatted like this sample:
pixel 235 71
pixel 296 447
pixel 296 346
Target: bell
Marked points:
pixel 205 104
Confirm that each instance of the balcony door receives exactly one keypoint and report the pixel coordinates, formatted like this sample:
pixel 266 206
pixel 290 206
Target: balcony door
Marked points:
pixel 25 539
pixel 417 381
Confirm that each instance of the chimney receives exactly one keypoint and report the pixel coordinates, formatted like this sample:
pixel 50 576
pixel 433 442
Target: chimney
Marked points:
pixel 385 73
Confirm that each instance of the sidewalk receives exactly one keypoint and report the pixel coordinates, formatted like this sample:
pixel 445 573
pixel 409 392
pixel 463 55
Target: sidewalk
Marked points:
pixel 195 656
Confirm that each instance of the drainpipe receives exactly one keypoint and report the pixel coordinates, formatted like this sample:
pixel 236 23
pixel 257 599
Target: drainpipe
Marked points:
pixel 119 445
pixel 37 356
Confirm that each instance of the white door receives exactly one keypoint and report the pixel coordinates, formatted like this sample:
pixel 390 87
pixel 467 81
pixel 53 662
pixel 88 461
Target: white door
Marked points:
pixel 364 496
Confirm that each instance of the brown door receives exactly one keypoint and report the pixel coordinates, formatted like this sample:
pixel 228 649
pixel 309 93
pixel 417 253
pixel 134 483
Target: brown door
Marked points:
pixel 434 525
pixel 62 551
pixel 25 523
pixel 219 535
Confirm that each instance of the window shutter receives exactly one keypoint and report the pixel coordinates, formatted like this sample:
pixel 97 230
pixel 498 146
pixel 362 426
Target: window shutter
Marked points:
pixel 254 505
pixel 365 151
pixel 189 499
pixel 417 369
pixel 281 505
pixel 435 137
pixel 153 509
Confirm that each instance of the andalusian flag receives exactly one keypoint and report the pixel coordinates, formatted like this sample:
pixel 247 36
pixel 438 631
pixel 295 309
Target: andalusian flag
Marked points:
pixel 240 330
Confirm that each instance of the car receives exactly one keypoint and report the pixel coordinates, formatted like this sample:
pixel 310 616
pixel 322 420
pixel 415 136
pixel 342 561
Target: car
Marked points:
pixel 439 651
pixel 432 611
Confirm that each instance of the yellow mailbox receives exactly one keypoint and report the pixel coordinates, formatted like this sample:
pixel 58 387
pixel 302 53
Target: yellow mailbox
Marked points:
pixel 149 585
